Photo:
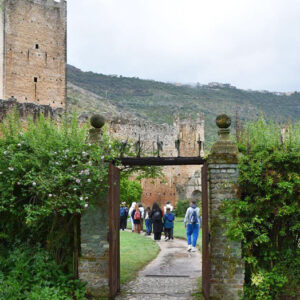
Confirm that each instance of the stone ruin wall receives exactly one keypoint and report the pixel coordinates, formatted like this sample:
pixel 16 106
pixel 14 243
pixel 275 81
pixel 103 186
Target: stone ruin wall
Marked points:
pixel 179 182
pixel 33 52
pixel 28 110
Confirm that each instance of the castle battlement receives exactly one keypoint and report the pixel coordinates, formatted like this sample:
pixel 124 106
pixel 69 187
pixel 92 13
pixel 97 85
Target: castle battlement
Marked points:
pixel 47 3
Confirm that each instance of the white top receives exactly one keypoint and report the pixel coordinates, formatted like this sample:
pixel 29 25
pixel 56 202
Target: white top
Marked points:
pixel 147 215
pixel 131 209
pixel 142 212
pixel 168 206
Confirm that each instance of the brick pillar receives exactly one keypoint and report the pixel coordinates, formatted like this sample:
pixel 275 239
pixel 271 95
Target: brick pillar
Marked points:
pixel 227 268
pixel 93 262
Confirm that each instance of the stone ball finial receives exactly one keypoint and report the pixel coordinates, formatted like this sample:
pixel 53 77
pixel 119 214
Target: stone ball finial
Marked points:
pixel 97 121
pixel 223 121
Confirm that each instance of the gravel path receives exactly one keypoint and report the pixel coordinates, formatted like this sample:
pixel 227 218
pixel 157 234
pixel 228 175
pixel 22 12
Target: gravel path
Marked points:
pixel 172 275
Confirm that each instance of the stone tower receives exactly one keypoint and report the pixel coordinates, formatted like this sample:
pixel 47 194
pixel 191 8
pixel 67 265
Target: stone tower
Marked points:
pixel 33 51
pixel 190 132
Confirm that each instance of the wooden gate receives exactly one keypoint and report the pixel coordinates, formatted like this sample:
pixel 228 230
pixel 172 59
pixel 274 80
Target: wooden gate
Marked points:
pixel 114 214
pixel 205 235
pixel 114 230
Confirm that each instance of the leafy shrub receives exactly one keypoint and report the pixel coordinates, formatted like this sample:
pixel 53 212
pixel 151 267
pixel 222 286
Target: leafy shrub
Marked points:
pixel 130 191
pixel 183 205
pixel 30 273
pixel 49 173
pixel 266 217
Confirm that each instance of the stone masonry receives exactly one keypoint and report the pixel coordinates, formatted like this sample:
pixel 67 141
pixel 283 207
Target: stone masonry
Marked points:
pixel 33 51
pixel 93 262
pixel 94 225
pixel 28 110
pixel 174 186
pixel 227 268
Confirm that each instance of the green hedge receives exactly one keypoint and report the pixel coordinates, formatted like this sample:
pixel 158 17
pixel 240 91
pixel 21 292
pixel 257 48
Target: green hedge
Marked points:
pixel 266 218
pixel 183 205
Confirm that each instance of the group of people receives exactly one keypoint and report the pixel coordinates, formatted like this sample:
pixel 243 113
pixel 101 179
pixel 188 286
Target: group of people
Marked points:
pixel 156 220
pixel 161 220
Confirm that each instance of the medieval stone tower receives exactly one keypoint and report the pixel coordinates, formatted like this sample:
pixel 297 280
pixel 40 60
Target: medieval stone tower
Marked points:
pixel 33 51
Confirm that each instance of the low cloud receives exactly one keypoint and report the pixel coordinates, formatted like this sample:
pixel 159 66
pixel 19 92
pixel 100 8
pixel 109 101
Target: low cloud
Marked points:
pixel 249 43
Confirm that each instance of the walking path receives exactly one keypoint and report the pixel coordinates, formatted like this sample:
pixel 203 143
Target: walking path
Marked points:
pixel 172 275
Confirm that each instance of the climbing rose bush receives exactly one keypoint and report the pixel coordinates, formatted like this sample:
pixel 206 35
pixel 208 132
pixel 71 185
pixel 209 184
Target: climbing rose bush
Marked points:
pixel 48 169
pixel 49 174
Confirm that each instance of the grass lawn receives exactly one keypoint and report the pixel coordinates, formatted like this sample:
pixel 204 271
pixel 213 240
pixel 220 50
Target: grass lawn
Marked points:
pixel 136 251
pixel 180 231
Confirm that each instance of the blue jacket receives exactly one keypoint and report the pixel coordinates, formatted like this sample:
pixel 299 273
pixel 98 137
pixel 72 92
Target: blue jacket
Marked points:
pixel 168 224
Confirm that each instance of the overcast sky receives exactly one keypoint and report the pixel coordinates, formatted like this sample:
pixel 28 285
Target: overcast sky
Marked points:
pixel 249 43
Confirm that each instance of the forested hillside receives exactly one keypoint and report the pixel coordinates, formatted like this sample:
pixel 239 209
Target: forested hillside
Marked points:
pixel 157 101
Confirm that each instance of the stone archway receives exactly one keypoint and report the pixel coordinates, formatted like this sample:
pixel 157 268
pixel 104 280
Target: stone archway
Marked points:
pixel 196 195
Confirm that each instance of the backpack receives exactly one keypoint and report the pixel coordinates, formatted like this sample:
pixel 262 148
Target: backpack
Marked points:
pixel 137 215
pixel 122 211
pixel 157 216
pixel 170 217
pixel 194 218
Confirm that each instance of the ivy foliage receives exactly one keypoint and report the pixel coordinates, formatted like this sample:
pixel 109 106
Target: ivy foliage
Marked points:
pixel 266 217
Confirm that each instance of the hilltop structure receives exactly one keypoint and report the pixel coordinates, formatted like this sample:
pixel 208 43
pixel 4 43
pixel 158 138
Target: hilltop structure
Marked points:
pixel 33 52
pixel 179 182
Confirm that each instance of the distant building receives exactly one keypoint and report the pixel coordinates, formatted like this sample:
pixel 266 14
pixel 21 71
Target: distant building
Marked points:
pixel 33 51
pixel 221 85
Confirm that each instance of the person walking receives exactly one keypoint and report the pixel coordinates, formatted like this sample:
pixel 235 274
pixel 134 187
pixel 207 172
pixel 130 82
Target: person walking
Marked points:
pixel 148 222
pixel 123 216
pixel 132 207
pixel 136 216
pixel 168 223
pixel 127 213
pixel 192 222
pixel 142 215
pixel 168 205
pixel 156 218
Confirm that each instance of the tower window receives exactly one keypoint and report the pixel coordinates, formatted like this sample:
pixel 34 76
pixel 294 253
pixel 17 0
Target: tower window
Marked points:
pixel 35 79
pixel 36 46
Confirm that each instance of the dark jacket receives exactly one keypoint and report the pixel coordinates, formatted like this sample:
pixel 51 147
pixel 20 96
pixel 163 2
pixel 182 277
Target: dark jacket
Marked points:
pixel 157 224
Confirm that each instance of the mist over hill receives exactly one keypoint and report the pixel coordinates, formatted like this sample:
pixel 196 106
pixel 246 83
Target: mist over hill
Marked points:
pixel 113 95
